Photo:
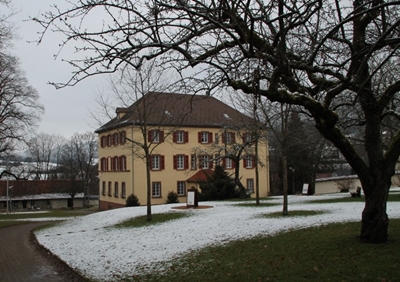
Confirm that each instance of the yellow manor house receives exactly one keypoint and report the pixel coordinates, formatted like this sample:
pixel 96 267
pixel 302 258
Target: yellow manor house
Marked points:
pixel 185 137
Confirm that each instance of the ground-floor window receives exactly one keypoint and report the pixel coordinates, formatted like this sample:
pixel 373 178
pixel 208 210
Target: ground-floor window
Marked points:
pixel 123 190
pixel 109 188
pixel 156 189
pixel 250 185
pixel 103 188
pixel 181 188
pixel 116 189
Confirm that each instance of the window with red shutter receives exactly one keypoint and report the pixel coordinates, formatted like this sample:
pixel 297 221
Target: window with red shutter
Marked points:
pixel 210 137
pixel 162 162
pixel 186 162
pixel 155 136
pixel 157 162
pixel 248 161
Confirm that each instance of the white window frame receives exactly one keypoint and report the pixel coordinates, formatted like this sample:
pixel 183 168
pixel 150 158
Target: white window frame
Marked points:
pixel 249 137
pixel 228 163
pixel 205 162
pixel 249 161
pixel 180 137
pixel 155 136
pixel 181 188
pixel 123 189
pixel 180 162
pixel 250 185
pixel 204 137
pixel 156 189
pixel 116 190
pixel 155 162
pixel 193 162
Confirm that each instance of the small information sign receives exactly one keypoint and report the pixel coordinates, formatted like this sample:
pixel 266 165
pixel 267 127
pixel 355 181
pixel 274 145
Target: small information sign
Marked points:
pixel 305 189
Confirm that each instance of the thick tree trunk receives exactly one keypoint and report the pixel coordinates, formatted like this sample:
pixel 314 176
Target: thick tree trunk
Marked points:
pixel 238 183
pixel 375 221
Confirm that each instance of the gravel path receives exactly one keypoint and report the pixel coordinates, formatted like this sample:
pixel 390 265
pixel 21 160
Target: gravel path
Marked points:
pixel 22 259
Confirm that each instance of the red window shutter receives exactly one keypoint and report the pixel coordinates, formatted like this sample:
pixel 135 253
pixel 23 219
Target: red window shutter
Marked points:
pixel 161 136
pixel 224 162
pixel 223 138
pixel 253 161
pixel 186 165
pixel 162 162
pixel 186 137
pixel 175 162
pixel 244 162
pixel 211 164
pixel 244 136
pixel 233 164
pixel 174 137
pixel 151 162
pixel 210 137
pixel 199 137
pixel 149 136
pixel 233 138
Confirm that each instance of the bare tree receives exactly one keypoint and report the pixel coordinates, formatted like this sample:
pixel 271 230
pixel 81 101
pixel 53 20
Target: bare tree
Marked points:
pixel 19 107
pixel 250 134
pixel 44 150
pixel 135 93
pixel 332 58
pixel 78 159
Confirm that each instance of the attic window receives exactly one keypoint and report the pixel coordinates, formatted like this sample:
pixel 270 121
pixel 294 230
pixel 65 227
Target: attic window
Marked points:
pixel 168 113
pixel 226 116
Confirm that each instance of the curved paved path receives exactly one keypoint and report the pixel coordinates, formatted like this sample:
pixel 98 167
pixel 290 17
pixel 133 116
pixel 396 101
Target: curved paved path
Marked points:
pixel 22 259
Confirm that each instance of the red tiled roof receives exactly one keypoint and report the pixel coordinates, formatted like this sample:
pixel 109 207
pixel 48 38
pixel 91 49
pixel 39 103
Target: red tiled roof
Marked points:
pixel 172 109
pixel 201 175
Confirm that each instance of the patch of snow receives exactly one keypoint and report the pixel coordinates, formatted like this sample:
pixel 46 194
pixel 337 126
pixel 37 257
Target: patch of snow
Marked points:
pixel 92 246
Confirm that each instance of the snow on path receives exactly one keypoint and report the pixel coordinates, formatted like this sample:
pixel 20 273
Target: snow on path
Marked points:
pixel 102 253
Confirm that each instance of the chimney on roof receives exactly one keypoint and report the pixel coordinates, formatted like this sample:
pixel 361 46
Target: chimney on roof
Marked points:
pixel 208 93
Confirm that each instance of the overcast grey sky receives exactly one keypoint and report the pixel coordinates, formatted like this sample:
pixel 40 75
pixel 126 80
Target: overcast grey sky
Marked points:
pixel 66 110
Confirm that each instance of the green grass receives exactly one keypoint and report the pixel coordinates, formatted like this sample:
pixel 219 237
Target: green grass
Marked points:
pixel 141 221
pixel 18 218
pixel 261 205
pixel 10 222
pixel 328 253
pixel 292 213
pixel 393 197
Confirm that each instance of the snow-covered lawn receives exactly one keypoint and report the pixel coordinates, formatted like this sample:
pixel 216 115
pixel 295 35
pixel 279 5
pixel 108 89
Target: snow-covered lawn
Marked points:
pixel 90 245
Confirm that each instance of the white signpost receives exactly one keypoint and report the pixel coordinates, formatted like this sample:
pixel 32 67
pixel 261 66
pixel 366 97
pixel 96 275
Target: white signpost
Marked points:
pixel 305 189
